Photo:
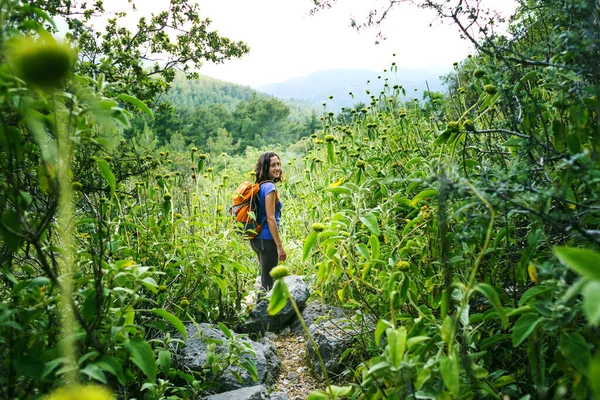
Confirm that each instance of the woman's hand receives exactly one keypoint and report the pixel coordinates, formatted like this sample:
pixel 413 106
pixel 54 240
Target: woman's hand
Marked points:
pixel 281 255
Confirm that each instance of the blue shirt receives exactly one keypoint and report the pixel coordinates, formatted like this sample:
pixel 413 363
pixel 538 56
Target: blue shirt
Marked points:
pixel 265 189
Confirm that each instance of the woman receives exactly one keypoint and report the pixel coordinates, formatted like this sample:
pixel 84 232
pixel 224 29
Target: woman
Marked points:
pixel 267 243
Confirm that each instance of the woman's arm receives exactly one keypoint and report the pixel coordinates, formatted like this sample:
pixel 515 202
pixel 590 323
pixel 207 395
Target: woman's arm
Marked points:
pixel 272 223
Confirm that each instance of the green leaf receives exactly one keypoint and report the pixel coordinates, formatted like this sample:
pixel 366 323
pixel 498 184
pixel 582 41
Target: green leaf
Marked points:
pixel 112 366
pixel 338 190
pixel 532 293
pixel 504 380
pixel 339 391
pixel 424 194
pixel 249 365
pixel 594 374
pixel 490 292
pixel 142 356
pixel 413 341
pixel 375 247
pixel 448 329
pixel 485 343
pixel 225 330
pixel 135 102
pixel 278 297
pixel 11 219
pixel 450 373
pixel 382 325
pixel 107 174
pixel 94 372
pixel 363 251
pixel 583 261
pixel 176 322
pixel 591 303
pixel 318 395
pixel 309 243
pixel 575 349
pixel 396 346
pixel 370 221
pixel 164 360
pixel 524 327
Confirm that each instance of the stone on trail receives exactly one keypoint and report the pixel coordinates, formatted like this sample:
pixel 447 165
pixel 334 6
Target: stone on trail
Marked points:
pixel 259 321
pixel 193 356
pixel 332 339
pixel 250 393
pixel 312 312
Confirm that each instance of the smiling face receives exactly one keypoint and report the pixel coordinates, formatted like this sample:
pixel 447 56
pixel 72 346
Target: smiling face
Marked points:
pixel 274 168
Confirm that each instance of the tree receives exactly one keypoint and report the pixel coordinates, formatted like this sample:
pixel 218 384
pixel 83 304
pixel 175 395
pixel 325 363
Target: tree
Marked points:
pixel 177 38
pixel 222 143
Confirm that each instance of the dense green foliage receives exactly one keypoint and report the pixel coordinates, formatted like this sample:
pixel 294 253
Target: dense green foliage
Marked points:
pixel 460 233
pixel 226 117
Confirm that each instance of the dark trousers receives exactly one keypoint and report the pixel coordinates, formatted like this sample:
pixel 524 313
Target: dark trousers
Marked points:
pixel 266 250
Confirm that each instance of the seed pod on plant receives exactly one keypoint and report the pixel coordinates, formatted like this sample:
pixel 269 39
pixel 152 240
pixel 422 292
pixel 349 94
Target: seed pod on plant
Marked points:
pixel 318 227
pixel 184 303
pixel 479 73
pixel 403 266
pixel 490 89
pixel 167 197
pixel 360 164
pixel 279 272
pixel 469 125
pixel 77 186
pixel 43 63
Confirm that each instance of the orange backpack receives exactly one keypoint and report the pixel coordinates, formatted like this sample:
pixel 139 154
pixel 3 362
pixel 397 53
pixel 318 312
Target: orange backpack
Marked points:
pixel 245 209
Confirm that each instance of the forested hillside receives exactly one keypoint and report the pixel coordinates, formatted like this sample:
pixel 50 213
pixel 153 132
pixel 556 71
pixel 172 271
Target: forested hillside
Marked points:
pixel 222 116
pixel 450 242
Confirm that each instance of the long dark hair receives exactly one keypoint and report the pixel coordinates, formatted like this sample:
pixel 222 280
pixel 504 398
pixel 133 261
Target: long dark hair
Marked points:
pixel 262 167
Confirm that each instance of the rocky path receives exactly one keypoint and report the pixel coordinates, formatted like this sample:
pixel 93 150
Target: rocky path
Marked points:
pixel 296 378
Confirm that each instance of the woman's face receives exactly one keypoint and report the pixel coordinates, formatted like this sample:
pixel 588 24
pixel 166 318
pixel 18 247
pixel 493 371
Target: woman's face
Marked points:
pixel 274 168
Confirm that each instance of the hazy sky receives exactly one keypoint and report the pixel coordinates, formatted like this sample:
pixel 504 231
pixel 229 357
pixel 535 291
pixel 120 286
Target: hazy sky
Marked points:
pixel 285 42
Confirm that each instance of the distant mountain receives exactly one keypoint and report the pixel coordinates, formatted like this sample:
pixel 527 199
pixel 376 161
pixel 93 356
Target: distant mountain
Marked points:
pixel 316 87
pixel 204 91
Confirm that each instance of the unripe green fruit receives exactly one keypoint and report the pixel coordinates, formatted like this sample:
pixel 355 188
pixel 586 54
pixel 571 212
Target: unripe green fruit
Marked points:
pixel 469 125
pixel 490 89
pixel 318 227
pixel 44 64
pixel 185 303
pixel 279 272
pixel 452 126
pixel 403 265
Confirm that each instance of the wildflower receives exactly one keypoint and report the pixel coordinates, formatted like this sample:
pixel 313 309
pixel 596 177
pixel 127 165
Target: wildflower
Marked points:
pixel 167 197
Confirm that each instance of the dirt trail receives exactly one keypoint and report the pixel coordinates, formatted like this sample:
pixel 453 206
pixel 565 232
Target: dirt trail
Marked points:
pixel 296 378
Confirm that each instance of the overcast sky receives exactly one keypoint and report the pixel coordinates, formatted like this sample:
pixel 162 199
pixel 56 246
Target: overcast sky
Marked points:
pixel 285 42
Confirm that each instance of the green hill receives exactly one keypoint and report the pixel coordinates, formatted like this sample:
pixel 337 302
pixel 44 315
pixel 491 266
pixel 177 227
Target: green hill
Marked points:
pixel 206 91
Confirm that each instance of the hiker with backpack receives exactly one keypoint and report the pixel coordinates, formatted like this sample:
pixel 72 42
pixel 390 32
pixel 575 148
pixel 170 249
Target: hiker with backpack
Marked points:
pixel 256 211
pixel 267 244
